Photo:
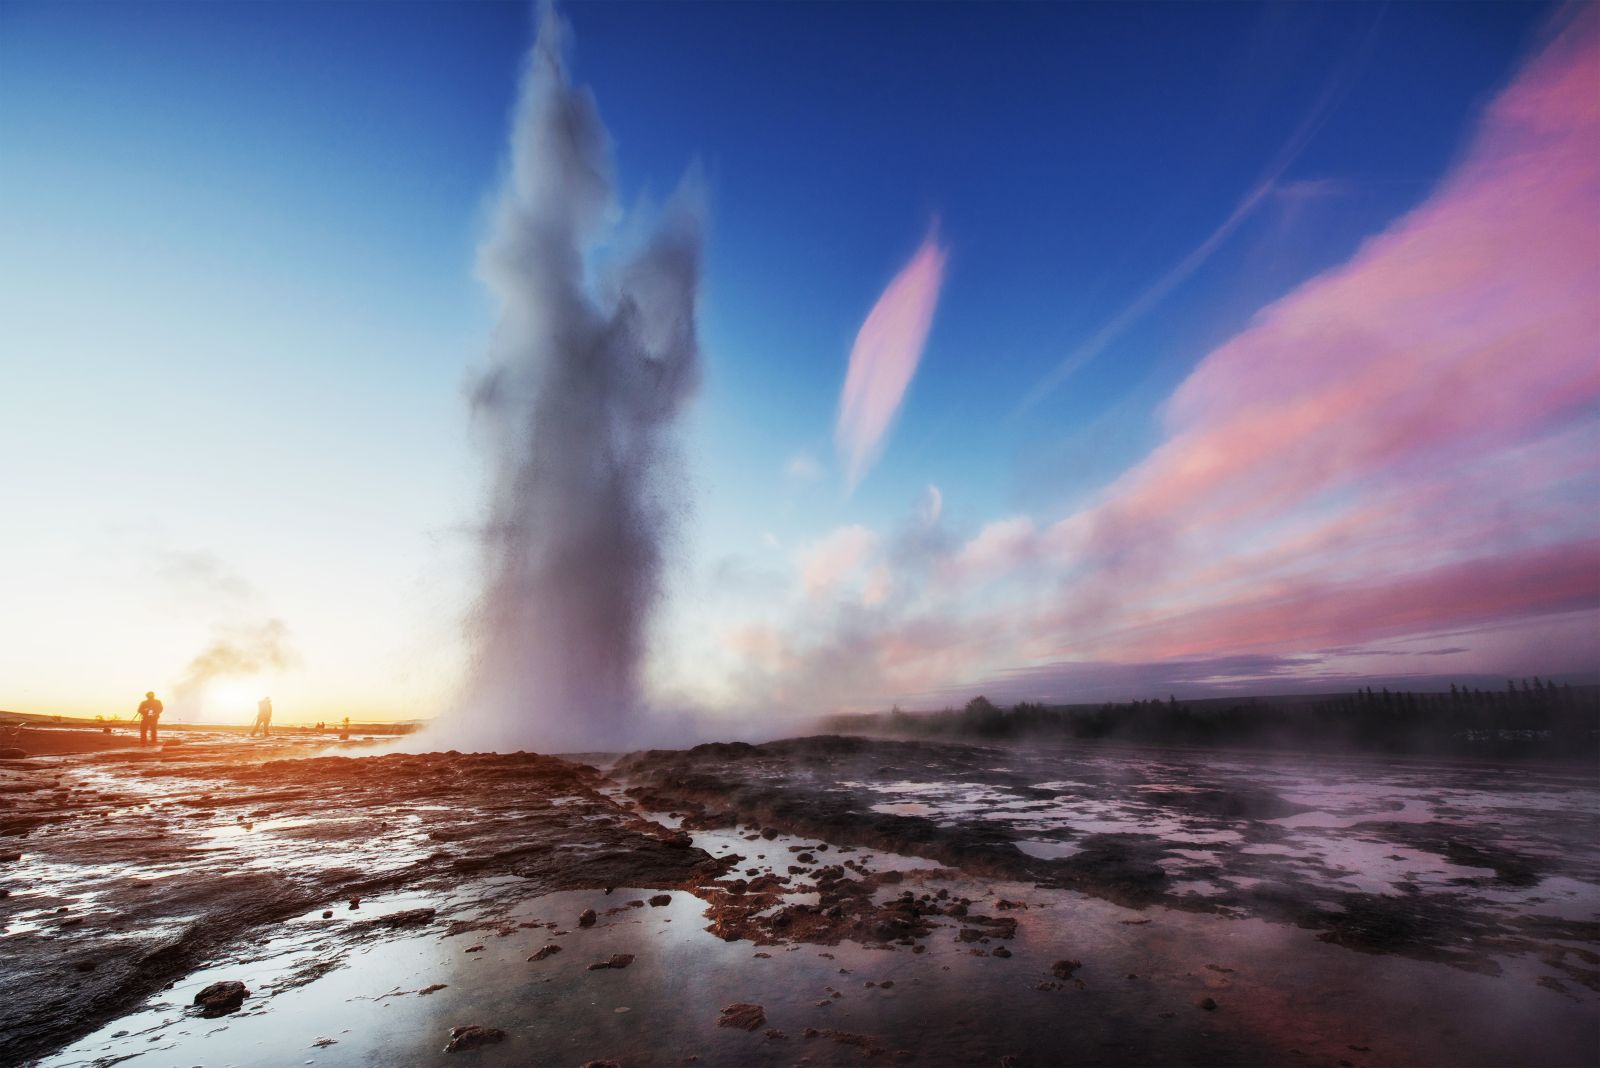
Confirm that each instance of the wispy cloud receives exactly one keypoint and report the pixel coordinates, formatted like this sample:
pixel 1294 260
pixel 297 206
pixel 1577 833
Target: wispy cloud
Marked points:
pixel 803 467
pixel 835 558
pixel 1265 188
pixel 885 357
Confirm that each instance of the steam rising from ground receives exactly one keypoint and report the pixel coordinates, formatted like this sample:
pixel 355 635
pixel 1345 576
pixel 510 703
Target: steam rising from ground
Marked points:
pixel 235 653
pixel 589 369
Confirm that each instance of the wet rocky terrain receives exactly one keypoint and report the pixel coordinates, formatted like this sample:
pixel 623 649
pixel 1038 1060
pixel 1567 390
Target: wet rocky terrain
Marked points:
pixel 811 901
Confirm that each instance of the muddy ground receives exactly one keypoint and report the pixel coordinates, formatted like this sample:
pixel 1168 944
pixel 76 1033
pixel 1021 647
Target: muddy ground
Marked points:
pixel 845 900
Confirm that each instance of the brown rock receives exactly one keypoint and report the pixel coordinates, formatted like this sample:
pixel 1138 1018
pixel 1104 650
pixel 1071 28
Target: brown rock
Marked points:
pixel 408 918
pixel 546 951
pixel 743 1015
pixel 661 899
pixel 1063 969
pixel 221 998
pixel 1207 1004
pixel 472 1036
pixel 586 918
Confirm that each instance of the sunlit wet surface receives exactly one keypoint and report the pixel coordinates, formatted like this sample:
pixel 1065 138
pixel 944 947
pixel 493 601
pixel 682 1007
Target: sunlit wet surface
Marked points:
pixel 1345 830
pixel 337 990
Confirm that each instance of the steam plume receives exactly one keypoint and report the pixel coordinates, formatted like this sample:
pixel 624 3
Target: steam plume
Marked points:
pixel 587 376
pixel 237 652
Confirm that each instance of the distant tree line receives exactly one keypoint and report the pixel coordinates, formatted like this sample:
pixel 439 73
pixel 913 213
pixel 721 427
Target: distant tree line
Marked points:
pixel 1537 718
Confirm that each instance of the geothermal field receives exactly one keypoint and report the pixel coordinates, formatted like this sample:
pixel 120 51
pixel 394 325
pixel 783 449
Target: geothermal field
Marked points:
pixel 622 539
pixel 825 900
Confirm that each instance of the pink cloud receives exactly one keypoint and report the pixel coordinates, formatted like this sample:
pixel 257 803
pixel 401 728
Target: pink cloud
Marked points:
pixel 834 559
pixel 885 357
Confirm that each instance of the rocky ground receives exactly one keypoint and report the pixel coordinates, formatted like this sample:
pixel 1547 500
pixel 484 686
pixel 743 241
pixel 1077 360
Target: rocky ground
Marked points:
pixel 812 901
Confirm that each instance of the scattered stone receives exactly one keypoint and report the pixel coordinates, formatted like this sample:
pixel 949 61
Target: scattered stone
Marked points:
pixel 743 1015
pixel 1063 969
pixel 474 949
pixel 586 918
pixel 1208 1004
pixel 661 899
pixel 9 857
pixel 607 1064
pixel 327 914
pixel 472 1036
pixel 769 833
pixel 620 960
pixel 324 1043
pixel 886 984
pixel 431 988
pixel 355 902
pixel 774 1033
pixel 1000 951
pixel 221 998
pixel 546 951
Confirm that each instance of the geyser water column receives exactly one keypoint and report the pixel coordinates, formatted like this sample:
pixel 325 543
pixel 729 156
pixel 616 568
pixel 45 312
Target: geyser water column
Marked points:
pixel 590 367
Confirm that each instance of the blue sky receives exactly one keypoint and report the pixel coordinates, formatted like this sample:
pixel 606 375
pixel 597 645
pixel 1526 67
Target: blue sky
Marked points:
pixel 240 308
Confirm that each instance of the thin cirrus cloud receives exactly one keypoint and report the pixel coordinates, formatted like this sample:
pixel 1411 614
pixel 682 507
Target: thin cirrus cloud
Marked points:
pixel 884 358
pixel 1402 447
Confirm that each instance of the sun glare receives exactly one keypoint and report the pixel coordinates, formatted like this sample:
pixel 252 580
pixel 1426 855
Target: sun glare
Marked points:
pixel 229 700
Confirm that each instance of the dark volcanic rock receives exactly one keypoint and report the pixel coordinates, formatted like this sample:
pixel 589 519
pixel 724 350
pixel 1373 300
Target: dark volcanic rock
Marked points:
pixel 743 1015
pixel 407 918
pixel 586 918
pixel 472 1036
pixel 661 899
pixel 221 998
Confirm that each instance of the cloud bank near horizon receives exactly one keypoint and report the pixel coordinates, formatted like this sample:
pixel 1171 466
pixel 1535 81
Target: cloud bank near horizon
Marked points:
pixel 1402 446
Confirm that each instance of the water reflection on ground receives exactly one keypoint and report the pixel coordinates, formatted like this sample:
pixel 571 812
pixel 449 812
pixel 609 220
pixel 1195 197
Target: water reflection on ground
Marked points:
pixel 1233 952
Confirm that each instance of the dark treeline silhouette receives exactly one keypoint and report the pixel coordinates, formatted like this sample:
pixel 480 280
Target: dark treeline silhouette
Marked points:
pixel 1534 719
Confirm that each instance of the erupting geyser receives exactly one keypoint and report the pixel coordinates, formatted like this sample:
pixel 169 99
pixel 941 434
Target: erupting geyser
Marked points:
pixel 590 366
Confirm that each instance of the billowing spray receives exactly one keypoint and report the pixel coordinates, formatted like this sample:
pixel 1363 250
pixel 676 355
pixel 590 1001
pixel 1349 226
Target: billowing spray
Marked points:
pixel 590 368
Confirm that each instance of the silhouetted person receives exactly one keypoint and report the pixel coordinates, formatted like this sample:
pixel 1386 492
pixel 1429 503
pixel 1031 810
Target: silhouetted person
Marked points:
pixel 149 713
pixel 263 718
